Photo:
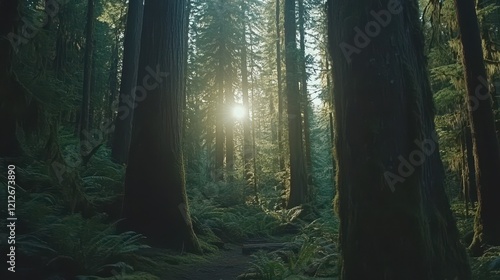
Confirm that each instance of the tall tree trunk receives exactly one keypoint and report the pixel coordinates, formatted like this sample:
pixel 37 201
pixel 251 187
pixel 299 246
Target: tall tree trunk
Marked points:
pixel 487 43
pixel 210 140
pixel 470 165
pixel 61 43
pixel 247 141
pixel 186 69
pixel 113 80
pixel 220 80
pixel 87 75
pixel 330 115
pixel 229 125
pixel 395 220
pixel 463 165
pixel 484 138
pixel 94 112
pixel 304 94
pixel 298 177
pixel 332 147
pixel 219 124
pixel 281 156
pixel 464 169
pixel 254 135
pixel 126 104
pixel 155 201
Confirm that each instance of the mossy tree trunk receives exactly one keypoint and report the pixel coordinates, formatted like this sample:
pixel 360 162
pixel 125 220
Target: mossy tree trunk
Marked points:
pixel 113 80
pixel 484 139
pixel 471 177
pixel 395 220
pixel 155 201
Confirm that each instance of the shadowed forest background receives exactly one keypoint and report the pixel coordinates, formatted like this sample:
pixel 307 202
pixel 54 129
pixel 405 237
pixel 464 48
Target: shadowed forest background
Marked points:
pixel 250 139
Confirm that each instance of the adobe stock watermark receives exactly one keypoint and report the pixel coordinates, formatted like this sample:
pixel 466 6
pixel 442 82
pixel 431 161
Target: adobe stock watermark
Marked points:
pixel 151 81
pixel 29 29
pixel 372 29
pixel 95 137
pixel 415 159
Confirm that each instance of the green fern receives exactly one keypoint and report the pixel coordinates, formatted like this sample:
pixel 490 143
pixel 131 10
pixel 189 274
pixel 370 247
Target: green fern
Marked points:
pixel 269 267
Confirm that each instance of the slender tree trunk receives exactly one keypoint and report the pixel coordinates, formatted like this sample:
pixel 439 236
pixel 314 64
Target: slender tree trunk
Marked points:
pixel 470 166
pixel 484 139
pixel 272 113
pixel 94 113
pixel 126 104
pixel 219 124
pixel 87 74
pixel 229 124
pixel 395 220
pixel 220 80
pixel 59 61
pixel 254 135
pixel 463 195
pixel 298 176
pixel 210 149
pixel 330 115
pixel 304 95
pixel 61 42
pixel 281 156
pixel 247 144
pixel 332 147
pixel 113 80
pixel 155 192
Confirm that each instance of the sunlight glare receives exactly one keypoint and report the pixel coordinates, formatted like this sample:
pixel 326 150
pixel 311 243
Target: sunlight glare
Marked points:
pixel 239 112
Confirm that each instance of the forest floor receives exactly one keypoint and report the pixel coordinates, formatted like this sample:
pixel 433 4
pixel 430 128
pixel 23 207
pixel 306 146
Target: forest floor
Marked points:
pixel 227 265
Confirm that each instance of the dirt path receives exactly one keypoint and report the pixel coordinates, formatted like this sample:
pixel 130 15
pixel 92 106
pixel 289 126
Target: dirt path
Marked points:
pixel 226 266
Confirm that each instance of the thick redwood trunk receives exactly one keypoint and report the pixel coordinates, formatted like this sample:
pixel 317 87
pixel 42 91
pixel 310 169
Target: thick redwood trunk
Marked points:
pixel 395 221
pixel 155 191
pixel 484 138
